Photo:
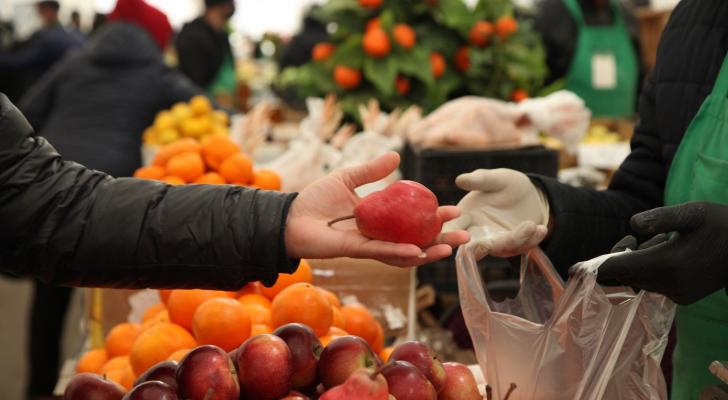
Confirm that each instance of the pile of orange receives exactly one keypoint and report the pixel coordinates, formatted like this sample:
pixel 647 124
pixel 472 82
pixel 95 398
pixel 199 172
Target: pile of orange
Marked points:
pixel 196 119
pixel 216 159
pixel 187 318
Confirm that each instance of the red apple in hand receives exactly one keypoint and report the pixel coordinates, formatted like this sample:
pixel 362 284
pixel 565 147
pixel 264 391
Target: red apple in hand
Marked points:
pixel 206 373
pixel 265 368
pixel 88 386
pixel 361 385
pixel 165 371
pixel 404 212
pixel 342 357
pixel 152 390
pixel 419 355
pixel 305 352
pixel 460 383
pixel 406 382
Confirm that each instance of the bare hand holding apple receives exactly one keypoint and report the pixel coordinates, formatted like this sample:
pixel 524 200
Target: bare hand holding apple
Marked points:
pixel 308 234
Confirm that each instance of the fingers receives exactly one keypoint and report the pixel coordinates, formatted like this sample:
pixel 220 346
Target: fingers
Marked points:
pixel 484 180
pixel 662 237
pixel 431 254
pixel 448 213
pixel 526 236
pixel 627 242
pixel 634 268
pixel 369 172
pixel 668 219
pixel 453 239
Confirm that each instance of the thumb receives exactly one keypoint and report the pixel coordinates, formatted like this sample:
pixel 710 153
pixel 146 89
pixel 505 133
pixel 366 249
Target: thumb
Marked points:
pixel 484 180
pixel 683 217
pixel 369 172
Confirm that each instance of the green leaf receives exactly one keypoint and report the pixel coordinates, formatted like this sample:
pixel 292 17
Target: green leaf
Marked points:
pixel 415 63
pixel 350 53
pixel 382 73
pixel 454 14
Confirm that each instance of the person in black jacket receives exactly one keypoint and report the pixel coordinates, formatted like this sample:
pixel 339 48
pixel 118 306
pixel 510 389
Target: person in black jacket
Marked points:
pixel 578 224
pixel 203 49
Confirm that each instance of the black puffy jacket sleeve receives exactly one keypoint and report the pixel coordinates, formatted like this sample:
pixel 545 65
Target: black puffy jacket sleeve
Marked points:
pixel 69 225
pixel 587 223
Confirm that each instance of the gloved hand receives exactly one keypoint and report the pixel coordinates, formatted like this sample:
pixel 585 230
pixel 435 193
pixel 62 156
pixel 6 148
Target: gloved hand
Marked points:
pixel 504 212
pixel 686 266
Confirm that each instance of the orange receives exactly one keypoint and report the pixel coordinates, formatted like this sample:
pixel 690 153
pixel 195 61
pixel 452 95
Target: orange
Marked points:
pixel 188 166
pixel 115 363
pixel 266 179
pixel 173 180
pixel 305 304
pixel 120 338
pixel 302 274
pixel 337 331
pixel 360 322
pixel 258 314
pixel 200 105
pixel 519 95
pixel 237 168
pixel 403 85
pixel 322 51
pixel 437 61
pixel 164 295
pixel 127 378
pixel 210 178
pixel 152 311
pixel 330 296
pixel 250 288
pixel 217 149
pixel 325 340
pixel 347 78
pixel 116 375
pixel 462 59
pixel 404 35
pixel 162 316
pixel 376 43
pixel 506 26
pixel 480 33
pixel 157 344
pixel 378 343
pixel 370 3
pixel 92 361
pixel 373 24
pixel 338 318
pixel 255 299
pixel 178 355
pixel 386 353
pixel 223 322
pixel 152 172
pixel 185 145
pixel 182 304
pixel 260 329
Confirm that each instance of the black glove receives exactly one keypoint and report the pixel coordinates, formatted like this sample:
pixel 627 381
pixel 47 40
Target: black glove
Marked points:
pixel 686 266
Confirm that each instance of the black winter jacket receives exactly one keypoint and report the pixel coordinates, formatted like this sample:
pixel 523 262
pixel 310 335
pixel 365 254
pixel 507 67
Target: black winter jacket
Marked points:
pixel 201 51
pixel 587 222
pixel 69 225
pixel 94 105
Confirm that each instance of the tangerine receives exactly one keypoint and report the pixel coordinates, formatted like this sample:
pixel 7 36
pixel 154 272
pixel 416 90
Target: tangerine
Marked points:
pixel 302 274
pixel 305 304
pixel 338 318
pixel 259 314
pixel 188 166
pixel 346 77
pixel 437 61
pixel 120 338
pixel 237 168
pixel 403 85
pixel 210 178
pixel 183 303
pixel 151 172
pixel 152 311
pixel 376 43
pixel 360 322
pixel 519 95
pixel 115 363
pixel 480 33
pixel 404 35
pixel 184 145
pixel 218 148
pixel 322 51
pixel 223 322
pixel 92 361
pixel 462 59
pixel 266 179
pixel 331 297
pixel 255 299
pixel 157 344
pixel 260 329
pixel 178 355
pixel 505 26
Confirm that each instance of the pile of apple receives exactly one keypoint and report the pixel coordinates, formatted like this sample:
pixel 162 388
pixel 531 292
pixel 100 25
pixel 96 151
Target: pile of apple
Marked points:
pixel 291 364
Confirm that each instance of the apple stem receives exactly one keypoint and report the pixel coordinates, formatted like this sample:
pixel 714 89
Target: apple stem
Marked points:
pixel 488 392
pixel 510 390
pixel 209 394
pixel 333 221
pixel 377 371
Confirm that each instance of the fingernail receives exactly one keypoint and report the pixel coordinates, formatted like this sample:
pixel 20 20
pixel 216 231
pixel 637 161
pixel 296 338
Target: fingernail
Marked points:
pixel 422 255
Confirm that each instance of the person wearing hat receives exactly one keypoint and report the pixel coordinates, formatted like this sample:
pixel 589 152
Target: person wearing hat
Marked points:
pixel 204 53
pixel 42 50
pixel 94 106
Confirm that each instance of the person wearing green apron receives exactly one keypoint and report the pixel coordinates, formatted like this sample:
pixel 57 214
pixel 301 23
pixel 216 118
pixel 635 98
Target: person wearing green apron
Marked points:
pixel 604 69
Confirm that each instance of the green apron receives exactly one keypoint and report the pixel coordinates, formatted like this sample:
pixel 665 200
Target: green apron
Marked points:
pixel 604 71
pixel 225 82
pixel 700 172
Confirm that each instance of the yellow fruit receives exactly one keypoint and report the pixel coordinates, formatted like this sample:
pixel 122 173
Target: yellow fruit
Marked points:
pixel 221 118
pixel 167 136
pixel 150 136
pixel 195 127
pixel 181 112
pixel 164 120
pixel 200 105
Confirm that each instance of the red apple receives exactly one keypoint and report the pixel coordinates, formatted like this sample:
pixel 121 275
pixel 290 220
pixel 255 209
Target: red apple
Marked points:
pixel 342 357
pixel 294 395
pixel 152 390
pixel 419 355
pixel 404 212
pixel 165 371
pixel 265 368
pixel 406 382
pixel 305 352
pixel 88 386
pixel 363 384
pixel 206 373
pixel 460 383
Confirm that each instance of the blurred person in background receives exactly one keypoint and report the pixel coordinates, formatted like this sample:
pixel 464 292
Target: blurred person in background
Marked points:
pixel 94 106
pixel 298 50
pixel 204 53
pixel 75 24
pixel 593 45
pixel 29 61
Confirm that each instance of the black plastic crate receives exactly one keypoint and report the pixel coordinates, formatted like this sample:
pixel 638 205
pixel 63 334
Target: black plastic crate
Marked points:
pixel 438 168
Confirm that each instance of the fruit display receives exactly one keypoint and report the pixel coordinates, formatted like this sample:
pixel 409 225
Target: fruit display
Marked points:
pixel 215 159
pixel 196 119
pixel 421 53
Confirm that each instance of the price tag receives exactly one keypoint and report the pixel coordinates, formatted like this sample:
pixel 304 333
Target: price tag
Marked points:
pixel 604 71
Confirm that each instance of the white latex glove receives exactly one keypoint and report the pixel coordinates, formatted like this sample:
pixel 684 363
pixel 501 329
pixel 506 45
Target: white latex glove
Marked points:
pixel 505 214
pixel 562 115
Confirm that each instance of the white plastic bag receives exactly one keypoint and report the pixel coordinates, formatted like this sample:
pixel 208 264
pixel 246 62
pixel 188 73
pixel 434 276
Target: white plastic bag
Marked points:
pixel 556 342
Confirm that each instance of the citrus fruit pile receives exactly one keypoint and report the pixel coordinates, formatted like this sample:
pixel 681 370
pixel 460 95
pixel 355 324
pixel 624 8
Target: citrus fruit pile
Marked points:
pixel 195 119
pixel 216 159
pixel 185 319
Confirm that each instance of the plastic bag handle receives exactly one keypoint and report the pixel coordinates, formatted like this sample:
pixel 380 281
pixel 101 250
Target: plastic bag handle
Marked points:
pixel 549 272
